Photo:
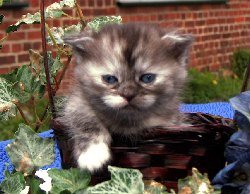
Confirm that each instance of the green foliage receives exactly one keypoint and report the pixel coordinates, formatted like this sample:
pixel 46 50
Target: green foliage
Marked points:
pixel 8 99
pixel 204 87
pixel 52 11
pixel 122 181
pixel 59 32
pixel 197 183
pixel 240 60
pixel 153 187
pixel 34 183
pixel 13 183
pixel 10 126
pixel 2 2
pixel 98 22
pixel 29 152
pixel 71 180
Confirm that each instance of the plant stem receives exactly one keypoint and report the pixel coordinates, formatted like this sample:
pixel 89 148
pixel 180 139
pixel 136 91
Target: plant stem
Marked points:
pixel 71 17
pixel 45 57
pixel 37 120
pixel 4 38
pixel 38 125
pixel 80 14
pixel 22 114
pixel 246 79
pixel 51 36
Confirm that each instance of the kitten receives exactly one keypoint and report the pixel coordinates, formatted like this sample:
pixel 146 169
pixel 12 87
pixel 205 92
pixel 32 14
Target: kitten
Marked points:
pixel 128 78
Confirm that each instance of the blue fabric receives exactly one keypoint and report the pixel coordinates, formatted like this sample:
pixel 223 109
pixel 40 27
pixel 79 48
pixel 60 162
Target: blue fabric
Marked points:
pixel 218 108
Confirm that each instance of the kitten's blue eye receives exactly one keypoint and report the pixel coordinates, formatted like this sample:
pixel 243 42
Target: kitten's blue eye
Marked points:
pixel 147 78
pixel 110 79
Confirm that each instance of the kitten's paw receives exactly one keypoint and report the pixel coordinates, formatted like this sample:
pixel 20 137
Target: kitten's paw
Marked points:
pixel 94 157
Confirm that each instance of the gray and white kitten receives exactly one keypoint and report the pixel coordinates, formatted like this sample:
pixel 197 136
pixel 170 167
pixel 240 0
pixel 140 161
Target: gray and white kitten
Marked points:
pixel 128 79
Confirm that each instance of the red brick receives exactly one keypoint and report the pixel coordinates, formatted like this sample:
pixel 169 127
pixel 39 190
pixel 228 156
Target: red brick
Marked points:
pixel 7 59
pixel 99 3
pixel 4 70
pixel 5 49
pixel 82 3
pixel 240 19
pixel 34 4
pixel 34 35
pixel 87 11
pixel 91 3
pixel 107 2
pixel 16 36
pixel 23 58
pixel 99 11
pixel 16 48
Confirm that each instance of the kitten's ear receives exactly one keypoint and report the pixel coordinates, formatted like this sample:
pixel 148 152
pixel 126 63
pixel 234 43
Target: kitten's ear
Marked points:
pixel 178 45
pixel 78 41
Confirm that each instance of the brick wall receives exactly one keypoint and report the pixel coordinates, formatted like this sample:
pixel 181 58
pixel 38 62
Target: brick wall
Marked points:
pixel 219 29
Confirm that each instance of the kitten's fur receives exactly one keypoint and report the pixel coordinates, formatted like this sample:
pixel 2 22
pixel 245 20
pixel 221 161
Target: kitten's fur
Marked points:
pixel 96 109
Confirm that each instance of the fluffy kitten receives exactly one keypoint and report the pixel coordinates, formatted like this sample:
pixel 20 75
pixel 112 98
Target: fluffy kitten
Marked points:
pixel 128 78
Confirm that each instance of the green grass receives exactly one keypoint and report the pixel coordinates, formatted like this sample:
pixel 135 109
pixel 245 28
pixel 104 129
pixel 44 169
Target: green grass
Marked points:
pixel 209 87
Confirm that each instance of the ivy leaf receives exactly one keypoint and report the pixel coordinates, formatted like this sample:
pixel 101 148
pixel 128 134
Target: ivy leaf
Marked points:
pixel 153 187
pixel 6 171
pixel 13 184
pixel 197 183
pixel 34 185
pixel 36 61
pixel 122 181
pixel 8 99
pixel 98 22
pixel 29 151
pixel 54 11
pixel 56 66
pixel 28 85
pixel 68 180
pixel 69 3
pixel 59 32
pixel 26 19
pixel 241 105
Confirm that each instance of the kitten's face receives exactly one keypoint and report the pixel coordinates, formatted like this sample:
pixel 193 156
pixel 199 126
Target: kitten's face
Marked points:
pixel 131 67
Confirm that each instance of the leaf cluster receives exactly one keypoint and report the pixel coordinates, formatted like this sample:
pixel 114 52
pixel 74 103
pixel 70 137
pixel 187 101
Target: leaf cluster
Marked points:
pixel 240 60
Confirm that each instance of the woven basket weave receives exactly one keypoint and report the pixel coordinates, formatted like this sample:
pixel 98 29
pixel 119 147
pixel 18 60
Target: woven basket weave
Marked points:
pixel 168 154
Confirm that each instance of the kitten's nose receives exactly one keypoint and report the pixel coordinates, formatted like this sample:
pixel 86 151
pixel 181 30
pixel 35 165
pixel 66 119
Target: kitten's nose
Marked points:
pixel 128 97
pixel 128 92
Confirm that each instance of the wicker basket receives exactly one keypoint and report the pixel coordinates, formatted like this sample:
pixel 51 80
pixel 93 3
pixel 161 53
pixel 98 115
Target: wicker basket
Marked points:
pixel 166 155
